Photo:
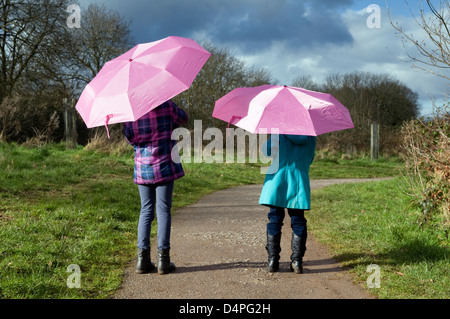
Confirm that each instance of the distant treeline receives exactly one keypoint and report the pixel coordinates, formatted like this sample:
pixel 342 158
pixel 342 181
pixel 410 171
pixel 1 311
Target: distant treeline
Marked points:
pixel 43 61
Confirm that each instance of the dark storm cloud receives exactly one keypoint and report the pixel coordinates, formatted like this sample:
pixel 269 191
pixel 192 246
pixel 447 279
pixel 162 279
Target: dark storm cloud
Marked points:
pixel 295 23
pixel 250 25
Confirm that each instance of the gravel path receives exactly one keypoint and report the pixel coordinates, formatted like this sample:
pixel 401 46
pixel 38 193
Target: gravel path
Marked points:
pixel 218 246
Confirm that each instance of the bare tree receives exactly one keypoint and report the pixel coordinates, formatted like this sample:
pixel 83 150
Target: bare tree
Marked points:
pixel 426 142
pixel 434 52
pixel 28 31
pixel 27 28
pixel 42 60
pixel 306 82
pixel 369 98
pixel 373 97
pixel 102 36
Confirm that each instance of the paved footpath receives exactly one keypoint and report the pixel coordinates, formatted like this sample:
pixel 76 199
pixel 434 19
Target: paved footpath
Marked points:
pixel 218 246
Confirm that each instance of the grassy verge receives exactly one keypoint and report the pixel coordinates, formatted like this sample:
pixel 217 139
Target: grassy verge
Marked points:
pixel 373 223
pixel 60 207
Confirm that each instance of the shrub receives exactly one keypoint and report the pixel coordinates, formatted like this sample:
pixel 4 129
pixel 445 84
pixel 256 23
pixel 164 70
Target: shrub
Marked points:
pixel 24 119
pixel 115 145
pixel 426 151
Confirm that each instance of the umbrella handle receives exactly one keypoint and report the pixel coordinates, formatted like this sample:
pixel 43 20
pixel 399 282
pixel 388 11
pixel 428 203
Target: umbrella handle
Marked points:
pixel 108 117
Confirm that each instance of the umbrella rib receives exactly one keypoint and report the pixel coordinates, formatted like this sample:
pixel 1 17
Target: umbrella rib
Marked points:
pixel 261 117
pixel 307 109
pixel 176 78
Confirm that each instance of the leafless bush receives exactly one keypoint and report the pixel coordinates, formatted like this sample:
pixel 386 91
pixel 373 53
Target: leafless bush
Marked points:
pixel 45 135
pixel 22 119
pixel 115 145
pixel 10 125
pixel 356 142
pixel 426 150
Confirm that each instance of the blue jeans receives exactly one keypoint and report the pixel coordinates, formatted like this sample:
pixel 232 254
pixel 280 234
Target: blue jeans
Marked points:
pixel 276 218
pixel 159 196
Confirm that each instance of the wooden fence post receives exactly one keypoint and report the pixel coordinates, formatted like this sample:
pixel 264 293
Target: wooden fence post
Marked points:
pixel 70 124
pixel 374 141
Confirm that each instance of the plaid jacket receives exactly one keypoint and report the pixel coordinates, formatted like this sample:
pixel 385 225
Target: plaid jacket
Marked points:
pixel 151 138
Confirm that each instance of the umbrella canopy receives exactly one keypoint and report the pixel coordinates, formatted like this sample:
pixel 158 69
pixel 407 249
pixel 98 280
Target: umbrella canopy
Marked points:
pixel 291 110
pixel 141 79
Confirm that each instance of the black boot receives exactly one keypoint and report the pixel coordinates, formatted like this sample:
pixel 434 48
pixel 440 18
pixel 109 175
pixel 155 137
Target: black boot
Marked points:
pixel 298 245
pixel 144 265
pixel 164 264
pixel 273 250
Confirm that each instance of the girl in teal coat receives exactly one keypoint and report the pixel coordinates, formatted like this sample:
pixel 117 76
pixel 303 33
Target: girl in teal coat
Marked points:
pixel 287 186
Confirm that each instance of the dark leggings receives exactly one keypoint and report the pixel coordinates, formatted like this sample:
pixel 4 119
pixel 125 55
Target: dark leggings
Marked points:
pixel 276 218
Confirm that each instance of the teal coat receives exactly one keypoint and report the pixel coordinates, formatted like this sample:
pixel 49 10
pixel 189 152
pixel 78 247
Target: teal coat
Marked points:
pixel 288 186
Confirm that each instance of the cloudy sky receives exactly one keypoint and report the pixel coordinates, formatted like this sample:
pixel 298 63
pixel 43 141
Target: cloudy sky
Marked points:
pixel 292 37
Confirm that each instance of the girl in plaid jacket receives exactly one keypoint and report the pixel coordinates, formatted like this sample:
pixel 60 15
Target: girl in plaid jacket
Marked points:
pixel 155 173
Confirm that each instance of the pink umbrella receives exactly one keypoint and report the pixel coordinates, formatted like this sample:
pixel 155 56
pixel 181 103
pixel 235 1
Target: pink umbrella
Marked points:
pixel 139 80
pixel 291 110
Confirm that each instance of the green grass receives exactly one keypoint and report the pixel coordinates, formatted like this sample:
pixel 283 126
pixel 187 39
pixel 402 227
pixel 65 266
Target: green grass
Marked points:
pixel 374 223
pixel 60 207
pixel 354 168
